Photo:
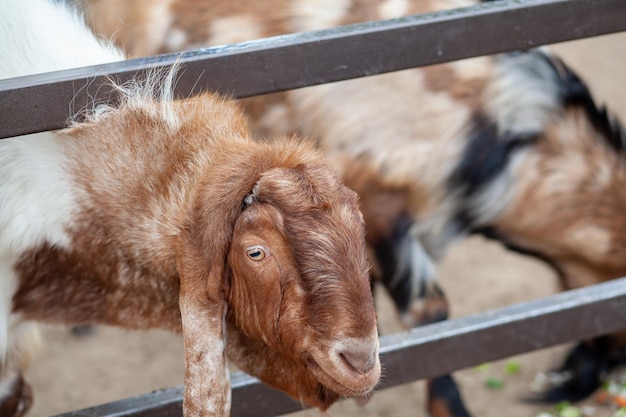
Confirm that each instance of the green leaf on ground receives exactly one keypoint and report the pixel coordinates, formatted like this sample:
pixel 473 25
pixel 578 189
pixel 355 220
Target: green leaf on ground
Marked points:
pixel 494 383
pixel 512 367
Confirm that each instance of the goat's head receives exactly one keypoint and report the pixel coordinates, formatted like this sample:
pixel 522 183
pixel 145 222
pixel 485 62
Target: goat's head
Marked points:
pixel 269 239
pixel 299 277
pixel 295 277
pixel 569 199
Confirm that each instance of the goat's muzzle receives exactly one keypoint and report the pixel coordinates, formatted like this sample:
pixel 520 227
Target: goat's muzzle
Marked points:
pixel 350 367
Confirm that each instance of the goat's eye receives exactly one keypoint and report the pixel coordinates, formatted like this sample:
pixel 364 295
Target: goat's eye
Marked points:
pixel 256 253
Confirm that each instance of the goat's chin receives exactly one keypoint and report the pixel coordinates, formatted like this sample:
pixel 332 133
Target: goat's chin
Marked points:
pixel 318 396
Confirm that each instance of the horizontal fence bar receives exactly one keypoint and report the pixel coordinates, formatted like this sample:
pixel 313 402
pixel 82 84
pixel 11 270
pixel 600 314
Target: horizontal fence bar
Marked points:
pixel 429 351
pixel 46 101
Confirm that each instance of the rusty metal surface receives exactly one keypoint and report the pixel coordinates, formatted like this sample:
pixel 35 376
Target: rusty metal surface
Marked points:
pixel 46 101
pixel 430 351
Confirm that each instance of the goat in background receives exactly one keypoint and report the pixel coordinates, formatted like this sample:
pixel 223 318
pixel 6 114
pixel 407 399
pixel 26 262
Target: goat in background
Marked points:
pixel 512 147
pixel 163 213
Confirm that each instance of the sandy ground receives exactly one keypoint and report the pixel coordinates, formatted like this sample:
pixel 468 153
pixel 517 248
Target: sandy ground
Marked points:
pixel 76 372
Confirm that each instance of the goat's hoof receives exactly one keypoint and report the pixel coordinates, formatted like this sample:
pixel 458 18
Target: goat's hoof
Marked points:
pixel 18 399
pixel 444 398
pixel 581 374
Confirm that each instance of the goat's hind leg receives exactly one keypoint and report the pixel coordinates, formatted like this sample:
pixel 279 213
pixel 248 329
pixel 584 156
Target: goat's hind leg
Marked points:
pixel 409 276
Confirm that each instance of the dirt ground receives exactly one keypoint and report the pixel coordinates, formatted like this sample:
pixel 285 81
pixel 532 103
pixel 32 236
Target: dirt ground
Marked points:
pixel 76 372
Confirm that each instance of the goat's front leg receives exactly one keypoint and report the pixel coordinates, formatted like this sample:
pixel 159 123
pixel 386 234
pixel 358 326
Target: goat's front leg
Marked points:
pixel 207 381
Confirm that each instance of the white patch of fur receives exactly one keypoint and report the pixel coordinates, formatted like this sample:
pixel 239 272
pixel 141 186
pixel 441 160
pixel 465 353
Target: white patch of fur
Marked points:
pixel 414 256
pixel 524 94
pixel 36 197
pixel 423 266
pixel 423 274
pixel 40 36
pixel 391 9
pixel 493 199
pixel 318 14
pixel 233 29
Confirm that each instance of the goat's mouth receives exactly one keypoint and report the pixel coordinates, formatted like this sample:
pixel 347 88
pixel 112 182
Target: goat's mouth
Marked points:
pixel 333 371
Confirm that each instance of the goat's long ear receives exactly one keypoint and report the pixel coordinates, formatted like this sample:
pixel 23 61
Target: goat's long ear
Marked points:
pixel 207 382
pixel 202 253
pixel 203 310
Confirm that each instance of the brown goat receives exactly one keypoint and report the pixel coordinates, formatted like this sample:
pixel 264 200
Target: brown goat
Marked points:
pixel 162 213
pixel 512 146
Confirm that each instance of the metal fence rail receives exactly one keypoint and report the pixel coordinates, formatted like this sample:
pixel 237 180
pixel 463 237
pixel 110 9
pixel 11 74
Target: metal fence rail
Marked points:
pixel 429 351
pixel 45 102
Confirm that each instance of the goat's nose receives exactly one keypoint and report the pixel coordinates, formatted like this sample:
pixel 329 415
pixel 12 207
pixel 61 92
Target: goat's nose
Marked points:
pixel 360 356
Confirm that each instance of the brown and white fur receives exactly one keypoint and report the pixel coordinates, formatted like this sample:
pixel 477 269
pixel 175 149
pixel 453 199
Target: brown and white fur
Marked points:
pixel 162 213
pixel 511 146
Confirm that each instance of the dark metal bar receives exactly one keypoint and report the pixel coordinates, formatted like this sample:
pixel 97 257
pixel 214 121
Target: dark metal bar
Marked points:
pixel 46 101
pixel 448 346
pixel 431 350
